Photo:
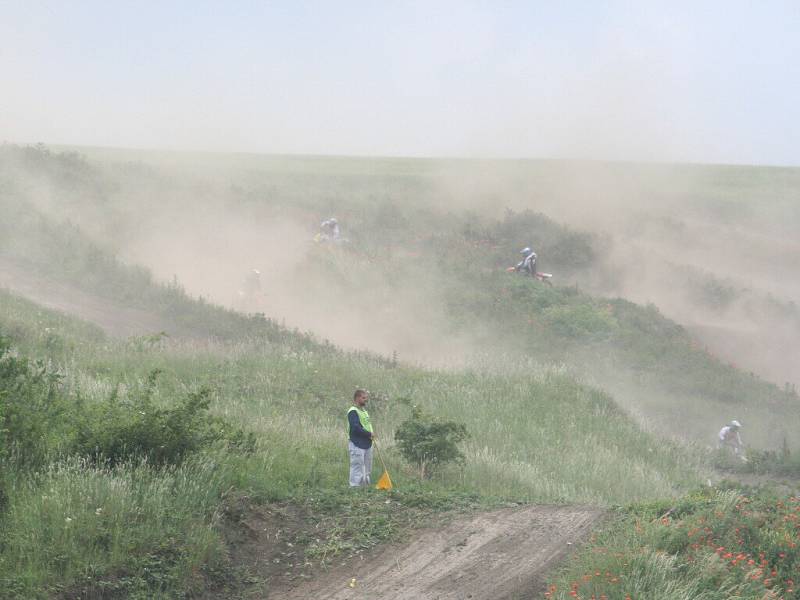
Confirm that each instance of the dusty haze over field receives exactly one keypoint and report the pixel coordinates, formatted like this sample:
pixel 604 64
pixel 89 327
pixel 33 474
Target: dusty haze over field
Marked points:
pixel 712 247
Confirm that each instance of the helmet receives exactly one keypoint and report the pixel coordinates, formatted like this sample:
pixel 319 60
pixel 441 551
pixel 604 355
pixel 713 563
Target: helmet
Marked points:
pixel 256 272
pixel 526 251
pixel 333 221
pixel 736 424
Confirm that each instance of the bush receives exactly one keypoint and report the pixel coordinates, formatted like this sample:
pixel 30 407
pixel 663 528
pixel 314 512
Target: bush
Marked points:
pixel 39 421
pixel 429 443
pixel 783 463
pixel 31 408
pixel 116 431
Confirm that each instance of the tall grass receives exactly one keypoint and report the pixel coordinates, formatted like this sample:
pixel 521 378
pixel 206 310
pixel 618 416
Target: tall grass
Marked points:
pixel 403 240
pixel 711 545
pixel 77 529
pixel 536 433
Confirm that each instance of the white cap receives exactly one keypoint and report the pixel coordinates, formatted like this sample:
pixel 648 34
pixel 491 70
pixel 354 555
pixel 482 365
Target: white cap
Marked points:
pixel 735 423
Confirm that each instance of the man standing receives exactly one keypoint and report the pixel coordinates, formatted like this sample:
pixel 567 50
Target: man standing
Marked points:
pixel 360 430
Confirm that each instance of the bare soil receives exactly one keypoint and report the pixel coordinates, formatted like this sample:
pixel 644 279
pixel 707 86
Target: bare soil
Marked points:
pixel 114 318
pixel 503 555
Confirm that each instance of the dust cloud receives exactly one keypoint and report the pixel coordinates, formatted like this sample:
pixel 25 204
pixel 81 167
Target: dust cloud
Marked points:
pixel 713 247
pixel 192 221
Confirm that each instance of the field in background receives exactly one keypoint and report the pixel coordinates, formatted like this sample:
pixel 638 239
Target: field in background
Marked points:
pixel 423 274
pixel 521 364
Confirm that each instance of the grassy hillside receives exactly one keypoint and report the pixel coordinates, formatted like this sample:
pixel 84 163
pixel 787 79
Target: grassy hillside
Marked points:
pixel 150 530
pixel 430 284
pixel 128 464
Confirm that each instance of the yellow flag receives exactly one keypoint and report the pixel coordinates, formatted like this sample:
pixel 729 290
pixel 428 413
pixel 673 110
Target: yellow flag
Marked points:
pixel 384 483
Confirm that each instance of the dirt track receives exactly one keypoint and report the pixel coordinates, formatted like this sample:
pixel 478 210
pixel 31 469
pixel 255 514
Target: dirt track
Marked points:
pixel 500 555
pixel 115 319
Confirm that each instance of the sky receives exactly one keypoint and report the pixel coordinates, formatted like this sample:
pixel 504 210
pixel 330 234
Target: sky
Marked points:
pixel 702 81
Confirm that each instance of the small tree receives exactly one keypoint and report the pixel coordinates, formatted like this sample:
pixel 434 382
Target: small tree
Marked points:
pixel 428 443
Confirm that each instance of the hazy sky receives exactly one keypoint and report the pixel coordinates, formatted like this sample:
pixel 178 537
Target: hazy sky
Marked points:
pixel 714 81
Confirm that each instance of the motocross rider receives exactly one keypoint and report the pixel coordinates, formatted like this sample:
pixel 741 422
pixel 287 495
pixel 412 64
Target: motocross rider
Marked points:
pixel 729 437
pixel 330 229
pixel 252 283
pixel 528 262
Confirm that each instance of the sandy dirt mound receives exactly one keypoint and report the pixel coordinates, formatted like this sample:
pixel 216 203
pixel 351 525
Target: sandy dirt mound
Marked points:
pixel 114 318
pixel 500 555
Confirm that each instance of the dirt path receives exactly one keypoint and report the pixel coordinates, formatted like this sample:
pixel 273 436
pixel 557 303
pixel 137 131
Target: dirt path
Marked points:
pixel 114 318
pixel 501 555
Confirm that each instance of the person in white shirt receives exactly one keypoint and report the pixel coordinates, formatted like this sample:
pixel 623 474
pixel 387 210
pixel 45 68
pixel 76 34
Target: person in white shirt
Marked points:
pixel 330 229
pixel 729 438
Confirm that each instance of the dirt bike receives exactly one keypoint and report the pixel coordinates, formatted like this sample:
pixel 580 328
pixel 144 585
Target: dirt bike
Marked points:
pixel 543 277
pixel 322 238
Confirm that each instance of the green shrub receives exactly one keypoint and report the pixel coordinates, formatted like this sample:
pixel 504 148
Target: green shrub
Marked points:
pixel 428 443
pixel 783 462
pixel 116 431
pixel 31 408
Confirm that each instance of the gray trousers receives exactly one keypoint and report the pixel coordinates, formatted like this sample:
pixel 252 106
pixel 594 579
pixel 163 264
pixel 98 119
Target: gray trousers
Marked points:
pixel 360 465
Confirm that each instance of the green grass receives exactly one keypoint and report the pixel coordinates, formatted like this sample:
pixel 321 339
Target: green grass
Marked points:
pixel 411 256
pixel 131 531
pixel 538 431
pixel 710 545
pixel 536 435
